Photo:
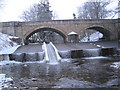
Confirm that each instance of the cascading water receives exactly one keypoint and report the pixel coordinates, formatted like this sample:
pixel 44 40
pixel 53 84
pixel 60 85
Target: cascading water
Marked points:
pixel 51 54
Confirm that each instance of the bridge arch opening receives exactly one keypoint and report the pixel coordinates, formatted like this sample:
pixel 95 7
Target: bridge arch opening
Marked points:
pixel 94 34
pixel 45 35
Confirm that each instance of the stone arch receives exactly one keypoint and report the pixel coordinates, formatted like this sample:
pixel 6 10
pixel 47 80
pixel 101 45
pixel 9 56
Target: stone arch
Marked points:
pixel 106 32
pixel 46 29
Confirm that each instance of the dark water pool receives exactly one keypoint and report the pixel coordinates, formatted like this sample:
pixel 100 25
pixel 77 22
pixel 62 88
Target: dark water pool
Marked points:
pixel 97 72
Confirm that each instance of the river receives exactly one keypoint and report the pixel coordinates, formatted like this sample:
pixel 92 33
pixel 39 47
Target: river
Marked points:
pixel 92 72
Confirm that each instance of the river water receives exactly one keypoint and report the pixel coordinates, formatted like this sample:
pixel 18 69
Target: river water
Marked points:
pixel 92 72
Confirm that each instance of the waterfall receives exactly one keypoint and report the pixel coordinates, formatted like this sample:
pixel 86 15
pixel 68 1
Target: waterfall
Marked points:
pixel 51 53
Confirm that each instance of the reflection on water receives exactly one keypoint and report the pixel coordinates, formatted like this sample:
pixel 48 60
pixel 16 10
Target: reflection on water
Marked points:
pixel 78 73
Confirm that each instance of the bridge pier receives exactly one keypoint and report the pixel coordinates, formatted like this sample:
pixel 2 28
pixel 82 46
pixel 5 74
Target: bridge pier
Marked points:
pixel 73 37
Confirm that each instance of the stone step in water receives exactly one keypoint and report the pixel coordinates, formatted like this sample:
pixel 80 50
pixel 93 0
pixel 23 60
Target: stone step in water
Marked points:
pixel 64 54
pixel 27 56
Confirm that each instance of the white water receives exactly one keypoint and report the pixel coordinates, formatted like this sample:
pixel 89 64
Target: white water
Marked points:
pixel 116 65
pixel 98 57
pixel 51 54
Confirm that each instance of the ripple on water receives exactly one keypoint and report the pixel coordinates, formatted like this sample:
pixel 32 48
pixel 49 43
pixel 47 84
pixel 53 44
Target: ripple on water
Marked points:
pixel 71 73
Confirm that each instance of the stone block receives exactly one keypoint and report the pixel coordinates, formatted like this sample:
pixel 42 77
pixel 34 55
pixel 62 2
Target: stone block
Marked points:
pixel 76 54
pixel 108 51
pixel 65 54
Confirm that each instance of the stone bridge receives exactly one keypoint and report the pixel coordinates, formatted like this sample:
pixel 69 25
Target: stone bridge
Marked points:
pixel 108 27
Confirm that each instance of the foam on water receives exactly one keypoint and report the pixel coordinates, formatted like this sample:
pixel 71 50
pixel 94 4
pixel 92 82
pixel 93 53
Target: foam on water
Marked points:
pixel 66 60
pixel 35 62
pixel 116 65
pixel 99 57
pixel 52 63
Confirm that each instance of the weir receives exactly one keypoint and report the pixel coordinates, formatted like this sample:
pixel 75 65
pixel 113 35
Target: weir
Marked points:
pixel 91 52
pixel 51 53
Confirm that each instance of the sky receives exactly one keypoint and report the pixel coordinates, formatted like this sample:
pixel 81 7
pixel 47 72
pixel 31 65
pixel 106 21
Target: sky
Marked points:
pixel 64 9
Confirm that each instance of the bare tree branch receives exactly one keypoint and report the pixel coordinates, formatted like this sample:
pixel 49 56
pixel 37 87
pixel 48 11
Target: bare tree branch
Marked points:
pixel 38 12
pixel 96 9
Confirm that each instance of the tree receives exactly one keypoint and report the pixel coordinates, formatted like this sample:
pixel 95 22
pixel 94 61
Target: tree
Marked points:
pixel 94 10
pixel 117 11
pixel 38 12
